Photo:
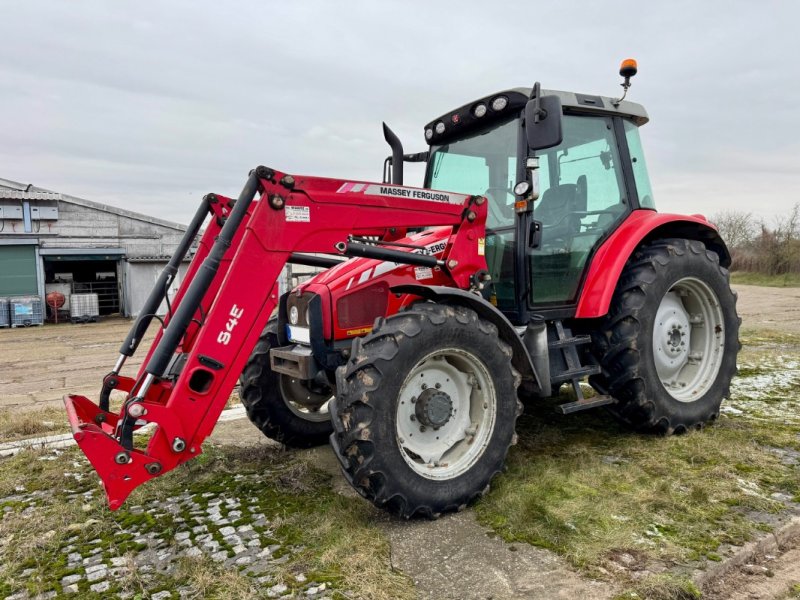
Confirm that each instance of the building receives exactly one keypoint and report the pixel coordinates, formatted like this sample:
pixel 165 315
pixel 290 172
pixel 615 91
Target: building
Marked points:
pixel 53 241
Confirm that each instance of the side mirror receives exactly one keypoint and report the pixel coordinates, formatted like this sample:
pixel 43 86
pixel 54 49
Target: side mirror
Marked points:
pixel 543 122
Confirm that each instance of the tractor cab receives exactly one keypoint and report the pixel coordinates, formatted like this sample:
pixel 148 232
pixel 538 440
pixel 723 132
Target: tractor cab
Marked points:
pixel 551 207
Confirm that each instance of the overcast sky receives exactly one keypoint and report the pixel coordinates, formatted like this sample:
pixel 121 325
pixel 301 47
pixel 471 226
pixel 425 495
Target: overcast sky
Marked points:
pixel 148 105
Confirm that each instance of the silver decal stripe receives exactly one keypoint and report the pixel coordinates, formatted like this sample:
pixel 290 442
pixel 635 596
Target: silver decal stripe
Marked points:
pixel 395 191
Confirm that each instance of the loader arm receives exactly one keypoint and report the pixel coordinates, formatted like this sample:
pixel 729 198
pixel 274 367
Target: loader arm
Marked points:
pixel 227 297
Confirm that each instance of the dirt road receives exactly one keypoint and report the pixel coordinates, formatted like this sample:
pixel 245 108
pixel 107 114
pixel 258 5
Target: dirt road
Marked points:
pixel 38 365
pixel 769 308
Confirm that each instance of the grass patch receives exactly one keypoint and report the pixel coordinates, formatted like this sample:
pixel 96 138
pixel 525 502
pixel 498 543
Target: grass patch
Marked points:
pixel 745 278
pixel 755 339
pixel 23 424
pixel 662 587
pixel 593 491
pixel 46 514
pixel 17 425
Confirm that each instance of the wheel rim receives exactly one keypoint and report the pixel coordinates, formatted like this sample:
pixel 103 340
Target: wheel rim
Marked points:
pixel 304 402
pixel 688 339
pixel 446 412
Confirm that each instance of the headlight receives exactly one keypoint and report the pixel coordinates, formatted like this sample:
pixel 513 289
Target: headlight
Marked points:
pixel 479 110
pixel 522 188
pixel 428 133
pixel 440 128
pixel 294 315
pixel 499 103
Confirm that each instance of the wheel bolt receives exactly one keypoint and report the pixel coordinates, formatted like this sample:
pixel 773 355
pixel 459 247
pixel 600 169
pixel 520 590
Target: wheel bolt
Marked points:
pixel 413 418
pixel 422 428
pixel 438 386
pixel 424 386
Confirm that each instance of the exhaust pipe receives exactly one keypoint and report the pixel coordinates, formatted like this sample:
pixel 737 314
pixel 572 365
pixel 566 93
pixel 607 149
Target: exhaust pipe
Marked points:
pixel 397 154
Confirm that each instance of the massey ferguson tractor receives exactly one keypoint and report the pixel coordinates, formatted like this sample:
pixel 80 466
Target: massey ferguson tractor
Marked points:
pixel 532 258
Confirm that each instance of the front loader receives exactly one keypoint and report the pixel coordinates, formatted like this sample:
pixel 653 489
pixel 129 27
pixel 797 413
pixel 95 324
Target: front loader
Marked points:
pixel 438 312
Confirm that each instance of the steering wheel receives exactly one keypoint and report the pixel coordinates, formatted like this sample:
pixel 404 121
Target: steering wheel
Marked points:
pixel 500 213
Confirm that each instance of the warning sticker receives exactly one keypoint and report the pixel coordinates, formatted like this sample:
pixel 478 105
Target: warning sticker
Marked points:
pixel 298 214
pixel 396 191
pixel 481 246
pixel 423 273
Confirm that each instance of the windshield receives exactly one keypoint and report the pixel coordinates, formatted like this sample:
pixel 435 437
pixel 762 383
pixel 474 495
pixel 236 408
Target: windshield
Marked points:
pixel 483 163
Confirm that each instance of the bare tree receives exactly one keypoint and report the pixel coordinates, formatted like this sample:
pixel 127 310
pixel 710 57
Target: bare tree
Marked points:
pixel 737 228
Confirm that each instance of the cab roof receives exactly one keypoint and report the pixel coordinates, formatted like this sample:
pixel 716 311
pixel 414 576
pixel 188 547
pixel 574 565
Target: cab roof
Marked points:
pixel 517 98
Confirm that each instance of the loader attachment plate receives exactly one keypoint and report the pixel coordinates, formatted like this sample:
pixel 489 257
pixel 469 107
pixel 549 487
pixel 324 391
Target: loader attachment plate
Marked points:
pixel 120 470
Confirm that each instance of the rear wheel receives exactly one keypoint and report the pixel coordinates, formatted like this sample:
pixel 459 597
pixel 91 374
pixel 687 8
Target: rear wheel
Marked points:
pixel 668 346
pixel 288 410
pixel 425 410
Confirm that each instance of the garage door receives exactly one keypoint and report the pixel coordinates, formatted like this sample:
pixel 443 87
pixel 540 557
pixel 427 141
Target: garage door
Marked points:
pixel 18 271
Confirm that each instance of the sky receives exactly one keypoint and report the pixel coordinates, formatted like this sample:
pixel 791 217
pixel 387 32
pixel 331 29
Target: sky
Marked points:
pixel 147 105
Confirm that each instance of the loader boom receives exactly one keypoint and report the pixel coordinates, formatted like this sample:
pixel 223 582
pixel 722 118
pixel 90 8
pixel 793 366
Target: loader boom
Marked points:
pixel 227 297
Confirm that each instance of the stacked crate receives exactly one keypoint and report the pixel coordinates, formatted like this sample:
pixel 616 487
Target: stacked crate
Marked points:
pixel 84 308
pixel 25 311
pixel 5 319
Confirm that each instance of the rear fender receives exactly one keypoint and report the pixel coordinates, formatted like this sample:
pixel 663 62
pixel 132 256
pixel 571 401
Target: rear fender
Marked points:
pixel 641 227
pixel 521 359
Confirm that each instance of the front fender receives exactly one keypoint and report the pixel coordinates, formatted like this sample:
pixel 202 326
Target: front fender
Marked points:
pixel 521 359
pixel 640 227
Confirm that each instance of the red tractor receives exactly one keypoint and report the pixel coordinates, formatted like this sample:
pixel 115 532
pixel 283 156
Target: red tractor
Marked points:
pixel 543 264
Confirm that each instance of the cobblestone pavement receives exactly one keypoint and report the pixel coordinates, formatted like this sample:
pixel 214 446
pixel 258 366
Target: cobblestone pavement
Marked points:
pixel 146 549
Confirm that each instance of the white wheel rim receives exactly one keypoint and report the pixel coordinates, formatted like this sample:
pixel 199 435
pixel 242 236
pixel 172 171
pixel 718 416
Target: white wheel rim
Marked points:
pixel 297 398
pixel 452 448
pixel 688 339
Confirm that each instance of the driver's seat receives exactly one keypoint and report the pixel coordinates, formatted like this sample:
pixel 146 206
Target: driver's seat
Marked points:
pixel 560 209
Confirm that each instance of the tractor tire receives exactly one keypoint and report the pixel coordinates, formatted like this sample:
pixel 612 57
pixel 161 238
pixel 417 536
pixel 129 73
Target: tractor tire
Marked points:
pixel 267 398
pixel 668 345
pixel 425 410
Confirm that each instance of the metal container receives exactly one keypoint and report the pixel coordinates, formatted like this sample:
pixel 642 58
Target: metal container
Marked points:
pixel 5 318
pixel 25 311
pixel 84 308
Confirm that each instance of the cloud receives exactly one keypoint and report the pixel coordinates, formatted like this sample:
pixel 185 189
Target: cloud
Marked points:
pixel 150 105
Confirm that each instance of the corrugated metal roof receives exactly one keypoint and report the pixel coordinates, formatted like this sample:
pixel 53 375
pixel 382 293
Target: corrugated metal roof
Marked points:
pixel 18 195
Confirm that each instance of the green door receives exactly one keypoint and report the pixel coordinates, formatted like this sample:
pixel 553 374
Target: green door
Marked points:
pixel 18 271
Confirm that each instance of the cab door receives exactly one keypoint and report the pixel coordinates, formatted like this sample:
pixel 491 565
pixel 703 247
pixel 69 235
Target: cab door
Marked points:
pixel 582 199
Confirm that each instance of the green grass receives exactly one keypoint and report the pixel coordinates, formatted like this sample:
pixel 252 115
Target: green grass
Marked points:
pixel 662 587
pixel 15 425
pixel 592 490
pixel 329 538
pixel 745 278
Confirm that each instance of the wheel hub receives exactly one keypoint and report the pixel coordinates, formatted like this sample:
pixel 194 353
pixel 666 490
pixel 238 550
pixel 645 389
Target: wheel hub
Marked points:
pixel 671 339
pixel 445 413
pixel 433 408
pixel 688 339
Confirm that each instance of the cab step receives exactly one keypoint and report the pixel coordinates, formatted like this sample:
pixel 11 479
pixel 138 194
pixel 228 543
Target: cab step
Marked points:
pixel 584 404
pixel 575 370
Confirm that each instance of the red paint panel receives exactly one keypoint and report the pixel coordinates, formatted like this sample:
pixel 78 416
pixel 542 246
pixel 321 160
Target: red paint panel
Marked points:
pixel 610 259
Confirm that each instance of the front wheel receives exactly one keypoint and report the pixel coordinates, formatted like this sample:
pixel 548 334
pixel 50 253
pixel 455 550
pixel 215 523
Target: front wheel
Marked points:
pixel 288 410
pixel 669 343
pixel 425 410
